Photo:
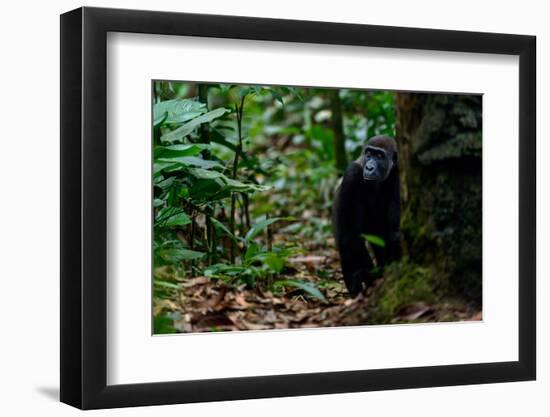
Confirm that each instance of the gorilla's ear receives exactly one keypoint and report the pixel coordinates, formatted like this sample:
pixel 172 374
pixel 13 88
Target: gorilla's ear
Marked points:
pixel 394 157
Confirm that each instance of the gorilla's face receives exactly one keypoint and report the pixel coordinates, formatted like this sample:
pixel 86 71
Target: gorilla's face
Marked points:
pixel 377 163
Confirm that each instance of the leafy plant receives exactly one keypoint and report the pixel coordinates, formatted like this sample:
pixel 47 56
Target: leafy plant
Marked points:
pixel 305 286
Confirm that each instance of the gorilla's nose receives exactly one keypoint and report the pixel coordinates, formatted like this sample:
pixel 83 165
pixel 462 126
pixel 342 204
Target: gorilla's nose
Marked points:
pixel 369 167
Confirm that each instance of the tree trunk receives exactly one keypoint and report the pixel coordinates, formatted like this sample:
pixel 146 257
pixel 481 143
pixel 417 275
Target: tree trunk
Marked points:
pixel 338 129
pixel 439 137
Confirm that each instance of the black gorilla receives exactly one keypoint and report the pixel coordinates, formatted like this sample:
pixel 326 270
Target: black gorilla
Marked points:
pixel 367 203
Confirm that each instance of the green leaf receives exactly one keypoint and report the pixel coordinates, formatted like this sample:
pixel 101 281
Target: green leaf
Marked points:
pixel 323 137
pixel 192 161
pixel 261 225
pixel 220 226
pixel 208 190
pixel 244 91
pixel 177 111
pixel 159 119
pixel 172 216
pixel 174 255
pixel 183 192
pixel 274 262
pixel 163 166
pixel 224 88
pixel 277 96
pixel 164 184
pixel 173 151
pixel 163 325
pixel 242 186
pixel 251 251
pixel 217 270
pixel 188 127
pixel 205 174
pixel 305 286
pixel 165 284
pixel 375 240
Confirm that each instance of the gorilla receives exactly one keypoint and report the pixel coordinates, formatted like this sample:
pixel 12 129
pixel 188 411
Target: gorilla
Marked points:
pixel 367 203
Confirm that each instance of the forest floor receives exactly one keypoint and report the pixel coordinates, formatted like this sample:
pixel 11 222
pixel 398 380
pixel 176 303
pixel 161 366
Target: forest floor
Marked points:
pixel 202 304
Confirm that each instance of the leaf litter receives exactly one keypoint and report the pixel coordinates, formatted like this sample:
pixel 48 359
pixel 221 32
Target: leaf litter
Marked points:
pixel 202 304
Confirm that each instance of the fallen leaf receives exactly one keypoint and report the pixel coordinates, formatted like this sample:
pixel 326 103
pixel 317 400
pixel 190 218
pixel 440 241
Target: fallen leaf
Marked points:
pixel 195 281
pixel 413 311
pixel 478 316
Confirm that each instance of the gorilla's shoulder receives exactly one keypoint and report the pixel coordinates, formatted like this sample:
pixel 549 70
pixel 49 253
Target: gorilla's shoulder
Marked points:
pixel 354 172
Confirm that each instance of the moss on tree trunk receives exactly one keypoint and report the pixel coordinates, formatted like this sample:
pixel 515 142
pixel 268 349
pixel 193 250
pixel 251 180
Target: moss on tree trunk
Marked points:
pixel 440 155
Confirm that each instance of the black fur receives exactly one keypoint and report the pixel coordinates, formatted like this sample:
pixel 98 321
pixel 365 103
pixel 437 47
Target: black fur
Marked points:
pixel 369 207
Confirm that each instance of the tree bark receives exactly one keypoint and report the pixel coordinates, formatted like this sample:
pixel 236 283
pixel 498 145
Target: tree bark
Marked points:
pixel 338 129
pixel 440 145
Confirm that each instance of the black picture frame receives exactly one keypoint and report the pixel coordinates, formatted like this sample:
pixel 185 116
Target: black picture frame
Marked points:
pixel 84 207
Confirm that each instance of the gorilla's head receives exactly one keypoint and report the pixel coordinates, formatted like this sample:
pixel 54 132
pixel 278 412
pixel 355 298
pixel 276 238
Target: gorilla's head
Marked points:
pixel 379 157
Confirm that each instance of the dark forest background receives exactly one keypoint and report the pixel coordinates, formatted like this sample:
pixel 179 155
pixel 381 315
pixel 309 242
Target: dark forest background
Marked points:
pixel 244 178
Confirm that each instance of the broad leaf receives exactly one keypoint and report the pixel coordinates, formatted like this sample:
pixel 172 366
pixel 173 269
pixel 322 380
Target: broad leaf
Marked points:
pixel 242 186
pixel 190 126
pixel 159 119
pixel 217 270
pixel 171 217
pixel 323 137
pixel 165 183
pixel 174 255
pixel 191 161
pixel 163 325
pixel 173 151
pixel 274 262
pixel 375 240
pixel 208 189
pixel 220 226
pixel 161 166
pixel 165 284
pixel 251 251
pixel 261 225
pixel 305 286
pixel 177 111
pixel 205 174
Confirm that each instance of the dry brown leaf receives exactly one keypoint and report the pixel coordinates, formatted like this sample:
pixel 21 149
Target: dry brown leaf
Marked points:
pixel 195 281
pixel 255 326
pixel 213 320
pixel 413 311
pixel 239 299
pixel 478 316
pixel 270 316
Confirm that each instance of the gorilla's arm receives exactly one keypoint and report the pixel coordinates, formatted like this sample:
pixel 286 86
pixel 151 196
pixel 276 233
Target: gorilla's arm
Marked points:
pixel 348 212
